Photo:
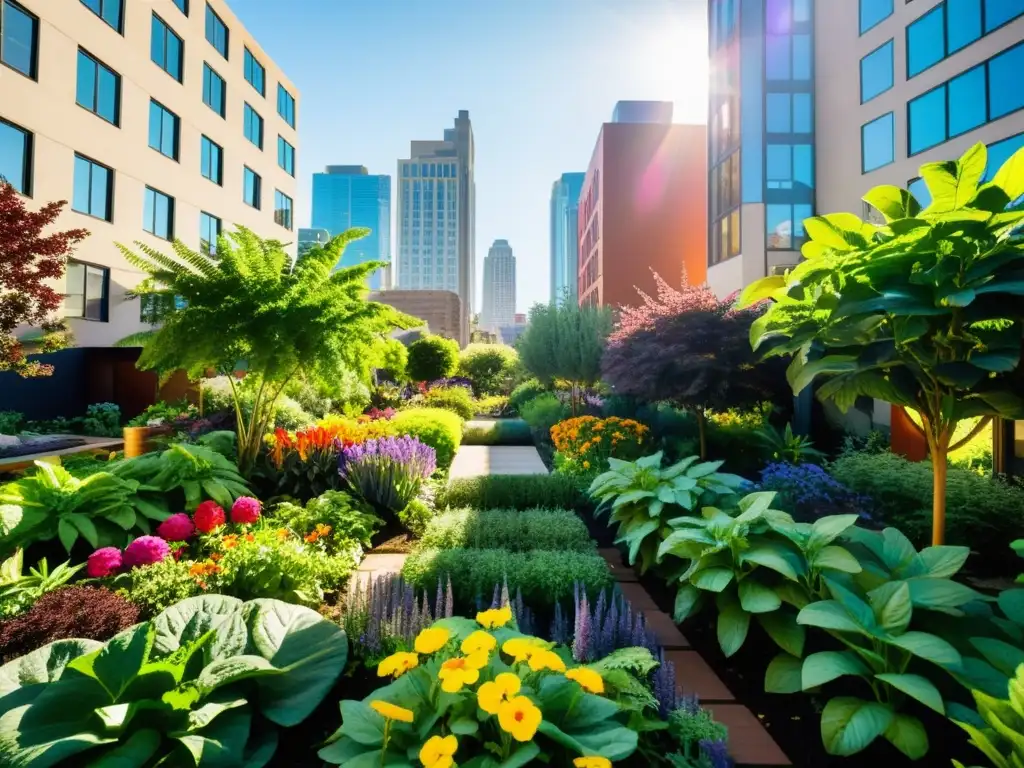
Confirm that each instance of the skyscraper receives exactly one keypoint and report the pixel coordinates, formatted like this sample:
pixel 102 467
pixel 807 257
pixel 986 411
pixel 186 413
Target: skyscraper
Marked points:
pixel 565 201
pixel 437 217
pixel 499 308
pixel 346 196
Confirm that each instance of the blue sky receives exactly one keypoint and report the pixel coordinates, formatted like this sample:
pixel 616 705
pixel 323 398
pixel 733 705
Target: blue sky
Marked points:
pixel 537 76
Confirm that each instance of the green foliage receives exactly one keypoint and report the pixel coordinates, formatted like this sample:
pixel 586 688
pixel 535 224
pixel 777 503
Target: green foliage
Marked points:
pixel 251 304
pixel 1000 736
pixel 787 446
pixel 351 520
pixel 102 420
pixel 514 530
pixel 643 498
pixel 392 359
pixel 543 412
pixel 440 429
pixel 491 405
pixel 524 393
pixel 416 516
pixel 454 399
pixel 501 432
pixel 512 492
pixel 922 312
pixel 204 683
pixel 544 576
pixel 158 586
pixel 10 422
pixel 432 357
pixel 164 413
pixel 488 366
pixel 285 413
pixel 18 590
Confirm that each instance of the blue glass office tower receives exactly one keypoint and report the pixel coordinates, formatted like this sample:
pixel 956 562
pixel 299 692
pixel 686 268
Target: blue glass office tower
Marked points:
pixel 347 196
pixel 565 199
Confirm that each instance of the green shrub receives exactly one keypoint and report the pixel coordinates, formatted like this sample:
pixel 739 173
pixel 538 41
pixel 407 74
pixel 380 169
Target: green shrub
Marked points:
pixel 488 366
pixel 503 432
pixel 10 422
pixel 513 492
pixel 416 516
pixel 491 405
pixel 352 521
pixel 525 392
pixel 544 577
pixel 288 414
pixel 514 530
pixel 543 412
pixel 432 357
pixel 392 360
pixel 438 428
pixel 454 399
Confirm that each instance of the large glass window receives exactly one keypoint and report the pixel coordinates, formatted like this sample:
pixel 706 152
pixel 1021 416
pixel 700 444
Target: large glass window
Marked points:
pixel 1006 94
pixel 98 88
pixel 93 189
pixel 216 31
pixel 286 105
pixel 876 72
pixel 788 166
pixel 182 6
pixel 953 25
pixel 212 161
pixel 251 188
pixel 967 101
pixel 19 38
pixel 919 189
pixel 926 41
pixel 784 225
pixel 158 214
pixel 214 90
pixel 209 231
pixel 963 26
pixel 86 291
pixel 111 11
pixel 255 74
pixel 16 157
pixel 878 143
pixel 873 13
pixel 282 209
pixel 164 127
pixel 286 156
pixel 253 126
pixel 165 49
pixel 926 116
pixel 999 12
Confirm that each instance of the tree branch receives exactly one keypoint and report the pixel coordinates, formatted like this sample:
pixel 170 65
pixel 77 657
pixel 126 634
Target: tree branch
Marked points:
pixel 914 424
pixel 982 423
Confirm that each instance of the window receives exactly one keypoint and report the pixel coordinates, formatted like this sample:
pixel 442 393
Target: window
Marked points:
pixel 87 289
pixel 926 117
pixel 216 32
pixel 165 49
pixel 1000 152
pixel 255 74
pixel 214 90
pixel 784 226
pixel 164 127
pixel 253 126
pixel 158 214
pixel 963 26
pixel 111 11
pixel 725 238
pixel 919 189
pixel 285 105
pixel 789 166
pixel 953 25
pixel 282 209
pixel 1000 12
pixel 251 188
pixel 98 88
pixel 873 13
pixel 212 161
pixel 967 101
pixel 876 73
pixel 926 41
pixel 1005 92
pixel 878 143
pixel 19 38
pixel 209 231
pixel 16 157
pixel 182 6
pixel 286 155
pixel 94 189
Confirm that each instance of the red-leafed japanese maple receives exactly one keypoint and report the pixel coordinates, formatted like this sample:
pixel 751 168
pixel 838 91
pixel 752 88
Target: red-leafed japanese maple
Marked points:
pixel 29 261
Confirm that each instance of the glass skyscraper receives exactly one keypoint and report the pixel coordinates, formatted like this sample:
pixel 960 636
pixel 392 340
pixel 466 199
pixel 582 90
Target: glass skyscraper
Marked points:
pixel 565 200
pixel 346 196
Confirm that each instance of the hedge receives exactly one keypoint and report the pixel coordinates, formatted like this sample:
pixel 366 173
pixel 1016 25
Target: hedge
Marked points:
pixel 514 530
pixel 513 492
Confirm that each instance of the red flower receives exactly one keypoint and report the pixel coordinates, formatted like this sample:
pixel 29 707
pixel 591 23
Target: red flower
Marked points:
pixel 245 510
pixel 208 517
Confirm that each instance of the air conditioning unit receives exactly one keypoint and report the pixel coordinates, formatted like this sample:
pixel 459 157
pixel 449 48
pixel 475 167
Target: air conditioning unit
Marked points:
pixel 781 269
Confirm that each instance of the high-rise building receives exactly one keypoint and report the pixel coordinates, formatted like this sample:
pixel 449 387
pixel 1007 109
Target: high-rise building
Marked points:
pixel 565 200
pixel 814 102
pixel 346 196
pixel 441 311
pixel 437 217
pixel 642 112
pixel 156 121
pixel 499 308
pixel 640 210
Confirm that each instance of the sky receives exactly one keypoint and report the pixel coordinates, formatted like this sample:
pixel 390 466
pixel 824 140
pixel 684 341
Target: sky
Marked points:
pixel 538 77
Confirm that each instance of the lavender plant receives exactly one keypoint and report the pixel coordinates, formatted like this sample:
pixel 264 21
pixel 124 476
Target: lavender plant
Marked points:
pixel 606 626
pixel 387 472
pixel 808 492
pixel 702 741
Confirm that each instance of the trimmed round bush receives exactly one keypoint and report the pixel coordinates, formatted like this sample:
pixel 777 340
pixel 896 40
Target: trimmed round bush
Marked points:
pixel 437 427
pixel 432 357
pixel 454 399
pixel 489 366
pixel 525 392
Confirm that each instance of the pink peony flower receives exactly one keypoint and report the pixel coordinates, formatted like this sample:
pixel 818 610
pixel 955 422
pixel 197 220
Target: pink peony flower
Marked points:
pixel 245 510
pixel 208 516
pixel 146 550
pixel 177 527
pixel 103 562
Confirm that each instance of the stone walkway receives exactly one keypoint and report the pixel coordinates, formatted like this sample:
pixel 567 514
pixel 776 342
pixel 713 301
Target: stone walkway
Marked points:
pixel 477 460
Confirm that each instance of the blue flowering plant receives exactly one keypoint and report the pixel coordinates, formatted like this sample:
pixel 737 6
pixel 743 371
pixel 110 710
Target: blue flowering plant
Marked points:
pixel 387 472
pixel 808 491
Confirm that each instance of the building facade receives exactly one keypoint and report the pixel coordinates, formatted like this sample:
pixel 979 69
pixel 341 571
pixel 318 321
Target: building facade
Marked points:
pixel 565 201
pixel 441 311
pixel 346 196
pixel 156 121
pixel 640 210
pixel 437 217
pixel 499 307
pixel 642 112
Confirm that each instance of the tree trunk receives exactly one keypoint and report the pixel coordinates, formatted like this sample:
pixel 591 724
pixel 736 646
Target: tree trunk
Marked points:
pixel 702 432
pixel 939 449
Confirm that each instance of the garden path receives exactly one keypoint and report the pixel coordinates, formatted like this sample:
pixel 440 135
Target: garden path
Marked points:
pixel 477 460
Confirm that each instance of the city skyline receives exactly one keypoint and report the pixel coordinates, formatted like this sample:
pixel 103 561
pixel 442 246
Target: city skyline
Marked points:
pixel 499 299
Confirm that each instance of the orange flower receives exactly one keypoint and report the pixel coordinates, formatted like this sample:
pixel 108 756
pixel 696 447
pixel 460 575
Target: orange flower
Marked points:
pixel 282 533
pixel 322 530
pixel 215 556
pixel 230 541
pixel 312 537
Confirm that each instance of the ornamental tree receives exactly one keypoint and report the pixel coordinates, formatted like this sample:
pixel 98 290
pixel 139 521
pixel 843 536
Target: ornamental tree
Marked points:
pixel 250 305
pixel 432 357
pixel 29 261
pixel 669 302
pixel 488 366
pixel 924 312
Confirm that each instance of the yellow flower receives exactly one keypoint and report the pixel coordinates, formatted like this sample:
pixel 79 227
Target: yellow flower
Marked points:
pixel 592 762
pixel 495 617
pixel 430 640
pixel 544 659
pixel 491 695
pixel 438 750
pixel 586 465
pixel 519 717
pixel 479 642
pixel 391 711
pixel 521 648
pixel 460 671
pixel 588 679
pixel 397 664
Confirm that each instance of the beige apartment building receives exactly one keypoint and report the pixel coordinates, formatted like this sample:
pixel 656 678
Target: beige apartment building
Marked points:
pixel 156 120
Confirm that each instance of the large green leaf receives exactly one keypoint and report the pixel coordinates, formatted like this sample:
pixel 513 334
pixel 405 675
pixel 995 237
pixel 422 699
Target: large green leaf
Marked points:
pixel 733 624
pixel 1001 655
pixel 944 561
pixel 827 529
pixel 928 647
pixel 940 593
pixel 849 725
pixel 775 556
pixel 783 674
pixel 44 665
pixel 828 614
pixel 120 660
pixel 892 202
pixel 1010 176
pixel 756 597
pixel 687 602
pixel 836 558
pixel 952 184
pixel 712 579
pixel 892 606
pixel 136 750
pixel 185 622
pixel 917 687
pixel 783 629
pixel 825 666
pixel 908 735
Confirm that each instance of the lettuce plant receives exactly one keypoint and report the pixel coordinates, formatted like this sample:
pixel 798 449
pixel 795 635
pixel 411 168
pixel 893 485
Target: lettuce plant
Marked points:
pixel 204 683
